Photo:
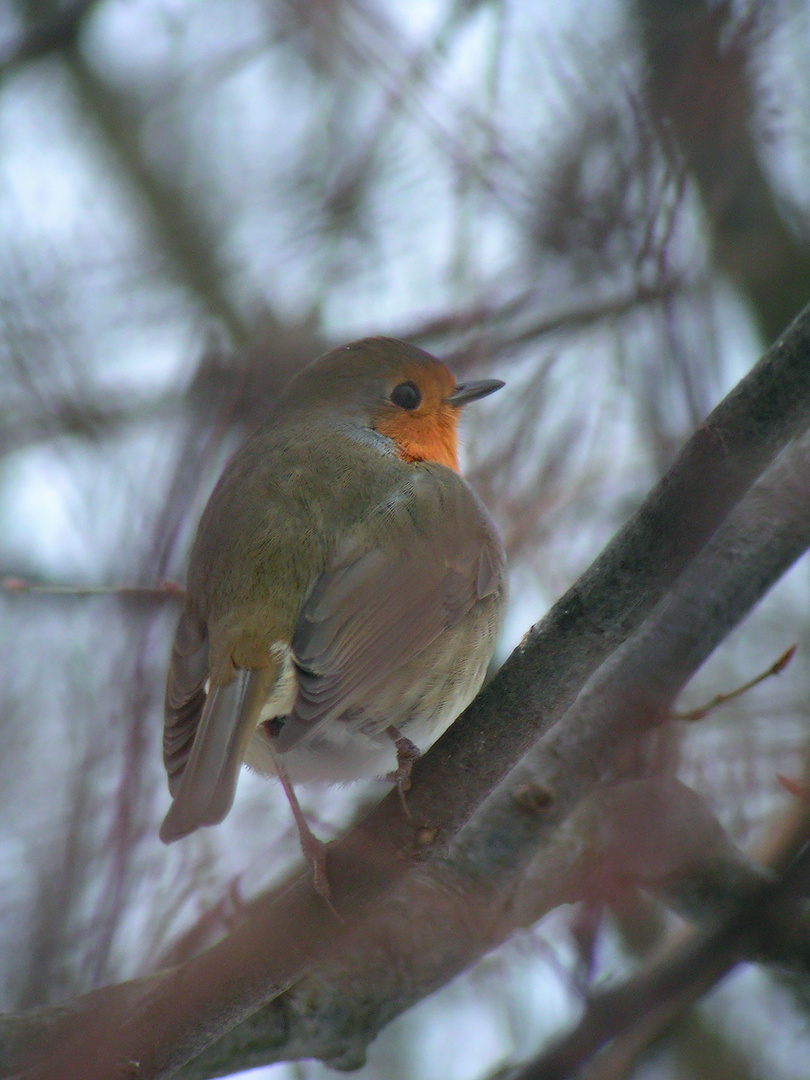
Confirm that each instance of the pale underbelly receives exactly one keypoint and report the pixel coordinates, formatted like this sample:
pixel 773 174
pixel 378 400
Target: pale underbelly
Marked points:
pixel 420 700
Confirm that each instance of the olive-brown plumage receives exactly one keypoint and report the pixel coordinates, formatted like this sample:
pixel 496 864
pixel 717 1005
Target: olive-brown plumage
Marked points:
pixel 345 587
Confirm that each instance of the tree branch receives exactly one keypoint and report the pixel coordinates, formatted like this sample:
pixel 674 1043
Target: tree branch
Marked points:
pixel 670 985
pixel 59 31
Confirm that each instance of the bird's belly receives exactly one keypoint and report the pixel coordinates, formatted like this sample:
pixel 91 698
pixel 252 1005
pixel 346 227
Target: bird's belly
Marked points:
pixel 421 699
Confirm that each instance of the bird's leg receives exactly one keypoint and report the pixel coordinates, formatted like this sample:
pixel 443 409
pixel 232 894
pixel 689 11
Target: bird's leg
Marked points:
pixel 314 849
pixel 407 753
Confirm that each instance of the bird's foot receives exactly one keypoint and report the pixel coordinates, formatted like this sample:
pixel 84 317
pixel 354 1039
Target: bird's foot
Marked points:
pixel 407 754
pixel 314 850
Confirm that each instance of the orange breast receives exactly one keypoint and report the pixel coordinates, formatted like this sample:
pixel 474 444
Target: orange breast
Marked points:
pixel 427 433
pixel 425 438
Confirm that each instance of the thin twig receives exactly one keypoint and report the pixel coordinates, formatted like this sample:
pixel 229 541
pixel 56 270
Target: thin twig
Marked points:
pixel 722 699
pixel 161 589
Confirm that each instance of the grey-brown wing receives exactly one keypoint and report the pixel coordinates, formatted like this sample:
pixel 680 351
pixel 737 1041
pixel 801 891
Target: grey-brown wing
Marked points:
pixel 206 730
pixel 378 606
pixel 185 694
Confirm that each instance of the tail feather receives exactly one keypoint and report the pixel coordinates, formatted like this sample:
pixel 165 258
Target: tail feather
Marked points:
pixel 206 788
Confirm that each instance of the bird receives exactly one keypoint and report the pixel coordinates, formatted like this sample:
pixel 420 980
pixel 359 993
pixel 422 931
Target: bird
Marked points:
pixel 345 590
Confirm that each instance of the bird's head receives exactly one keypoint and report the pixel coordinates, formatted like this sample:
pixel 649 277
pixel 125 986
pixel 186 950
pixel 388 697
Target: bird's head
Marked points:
pixel 402 392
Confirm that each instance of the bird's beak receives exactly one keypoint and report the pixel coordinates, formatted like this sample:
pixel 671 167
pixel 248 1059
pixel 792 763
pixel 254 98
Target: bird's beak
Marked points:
pixel 472 391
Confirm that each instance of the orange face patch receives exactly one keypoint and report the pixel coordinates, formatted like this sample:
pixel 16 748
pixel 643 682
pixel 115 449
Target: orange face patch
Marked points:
pixel 428 432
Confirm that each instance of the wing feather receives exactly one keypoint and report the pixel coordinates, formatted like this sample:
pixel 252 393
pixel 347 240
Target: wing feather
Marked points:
pixel 185 694
pixel 206 731
pixel 377 607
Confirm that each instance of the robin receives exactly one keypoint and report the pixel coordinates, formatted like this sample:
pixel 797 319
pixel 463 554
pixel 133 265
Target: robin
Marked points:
pixel 345 590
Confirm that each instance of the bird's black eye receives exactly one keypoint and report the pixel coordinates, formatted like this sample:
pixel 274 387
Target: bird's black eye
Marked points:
pixel 406 395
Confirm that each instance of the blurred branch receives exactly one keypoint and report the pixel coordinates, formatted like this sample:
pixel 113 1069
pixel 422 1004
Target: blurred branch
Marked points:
pixel 161 590
pixel 698 56
pixel 59 889
pixel 253 376
pixel 56 32
pixel 230 388
pixel 83 419
pixel 602 667
pixel 182 235
pixel 508 325
pixel 670 985
pixel 782 847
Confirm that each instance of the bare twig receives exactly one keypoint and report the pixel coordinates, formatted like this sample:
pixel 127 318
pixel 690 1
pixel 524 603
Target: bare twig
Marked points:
pixel 59 31
pixel 702 711
pixel 161 590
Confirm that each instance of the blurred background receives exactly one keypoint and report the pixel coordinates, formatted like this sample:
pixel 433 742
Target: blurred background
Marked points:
pixel 606 204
